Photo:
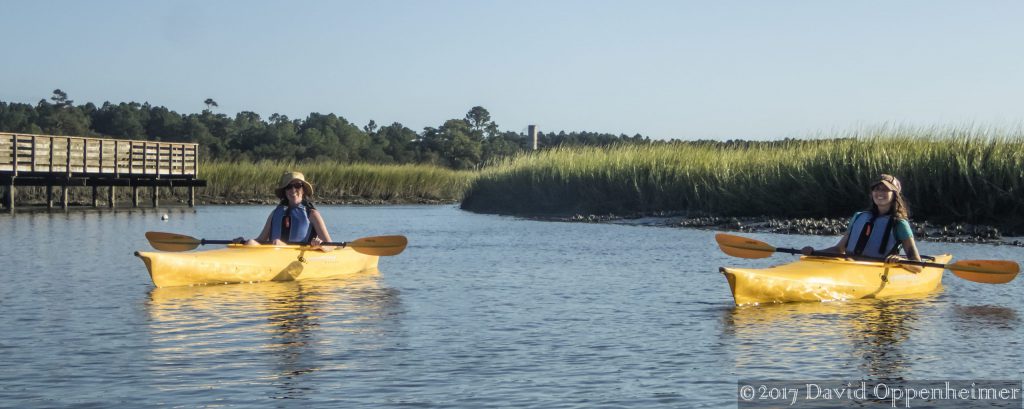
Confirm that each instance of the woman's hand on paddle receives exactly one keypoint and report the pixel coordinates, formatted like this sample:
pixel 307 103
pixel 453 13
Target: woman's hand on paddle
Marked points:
pixel 243 241
pixel 807 250
pixel 316 243
pixel 895 259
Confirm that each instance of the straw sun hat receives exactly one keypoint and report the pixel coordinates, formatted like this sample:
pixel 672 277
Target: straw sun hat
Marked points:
pixel 287 178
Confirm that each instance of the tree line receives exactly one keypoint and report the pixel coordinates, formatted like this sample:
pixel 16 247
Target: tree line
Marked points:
pixel 462 143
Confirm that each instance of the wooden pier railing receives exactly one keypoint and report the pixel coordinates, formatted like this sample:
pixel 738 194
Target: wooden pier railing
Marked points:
pixel 47 160
pixel 96 156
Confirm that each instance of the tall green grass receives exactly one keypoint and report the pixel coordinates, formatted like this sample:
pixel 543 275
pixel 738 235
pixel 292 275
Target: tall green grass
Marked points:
pixel 243 182
pixel 964 174
pixel 396 183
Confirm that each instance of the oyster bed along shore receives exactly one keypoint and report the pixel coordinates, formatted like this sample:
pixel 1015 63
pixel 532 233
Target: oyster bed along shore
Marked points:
pixel 923 231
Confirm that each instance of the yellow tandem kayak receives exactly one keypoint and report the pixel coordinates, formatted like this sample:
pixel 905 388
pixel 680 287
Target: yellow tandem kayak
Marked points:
pixel 243 264
pixel 815 278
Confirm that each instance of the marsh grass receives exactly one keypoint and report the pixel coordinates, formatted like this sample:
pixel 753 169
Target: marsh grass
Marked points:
pixel 963 174
pixel 254 182
pixel 391 183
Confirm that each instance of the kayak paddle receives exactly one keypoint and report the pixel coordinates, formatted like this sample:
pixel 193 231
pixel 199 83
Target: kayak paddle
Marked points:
pixel 374 246
pixel 979 271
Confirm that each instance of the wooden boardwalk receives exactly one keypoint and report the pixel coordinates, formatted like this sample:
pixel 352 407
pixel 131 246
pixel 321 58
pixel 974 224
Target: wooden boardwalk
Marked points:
pixel 69 161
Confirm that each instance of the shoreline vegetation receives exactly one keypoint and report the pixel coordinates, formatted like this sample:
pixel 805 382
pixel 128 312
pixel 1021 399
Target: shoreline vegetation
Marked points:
pixel 963 184
pixel 234 183
pixel 335 183
pixel 968 177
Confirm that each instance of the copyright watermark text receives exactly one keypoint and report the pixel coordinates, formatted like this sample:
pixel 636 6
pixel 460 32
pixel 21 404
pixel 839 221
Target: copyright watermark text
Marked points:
pixel 893 394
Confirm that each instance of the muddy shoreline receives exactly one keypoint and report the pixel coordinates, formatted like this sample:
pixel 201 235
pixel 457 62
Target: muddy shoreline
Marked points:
pixel 923 231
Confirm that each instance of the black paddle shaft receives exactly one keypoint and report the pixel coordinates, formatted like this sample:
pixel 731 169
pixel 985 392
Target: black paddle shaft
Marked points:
pixel 204 242
pixel 860 258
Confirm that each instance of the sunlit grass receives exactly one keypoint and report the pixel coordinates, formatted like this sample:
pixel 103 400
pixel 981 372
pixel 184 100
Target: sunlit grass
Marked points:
pixel 336 181
pixel 963 174
pixel 247 182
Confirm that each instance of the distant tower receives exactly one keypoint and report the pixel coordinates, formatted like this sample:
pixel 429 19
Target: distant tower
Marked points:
pixel 533 135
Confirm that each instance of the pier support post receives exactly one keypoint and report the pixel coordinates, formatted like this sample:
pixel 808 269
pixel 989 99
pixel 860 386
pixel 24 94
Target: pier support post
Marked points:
pixel 135 196
pixel 64 196
pixel 49 196
pixel 111 194
pixel 9 197
pixel 191 196
pixel 156 196
pixel 95 191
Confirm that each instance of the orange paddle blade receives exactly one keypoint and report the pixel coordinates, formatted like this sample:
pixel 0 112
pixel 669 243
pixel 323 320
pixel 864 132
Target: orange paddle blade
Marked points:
pixel 171 241
pixel 744 247
pixel 985 271
pixel 379 245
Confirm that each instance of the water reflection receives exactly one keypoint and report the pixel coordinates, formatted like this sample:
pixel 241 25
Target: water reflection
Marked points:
pixel 293 318
pixel 970 317
pixel 863 334
pixel 280 333
pixel 879 332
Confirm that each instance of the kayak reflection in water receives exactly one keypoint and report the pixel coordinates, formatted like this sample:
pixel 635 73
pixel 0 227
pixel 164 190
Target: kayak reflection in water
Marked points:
pixel 881 230
pixel 295 219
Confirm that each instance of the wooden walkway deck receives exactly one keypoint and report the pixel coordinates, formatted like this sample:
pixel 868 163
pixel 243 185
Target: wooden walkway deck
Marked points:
pixel 67 161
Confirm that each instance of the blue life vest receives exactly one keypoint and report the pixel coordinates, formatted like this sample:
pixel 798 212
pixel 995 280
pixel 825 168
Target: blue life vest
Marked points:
pixel 292 223
pixel 872 236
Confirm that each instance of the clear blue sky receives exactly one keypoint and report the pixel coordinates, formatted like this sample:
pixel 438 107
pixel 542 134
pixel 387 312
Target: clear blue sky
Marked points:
pixel 666 69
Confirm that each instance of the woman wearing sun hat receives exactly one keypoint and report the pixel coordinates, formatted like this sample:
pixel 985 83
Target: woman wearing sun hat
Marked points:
pixel 882 229
pixel 294 220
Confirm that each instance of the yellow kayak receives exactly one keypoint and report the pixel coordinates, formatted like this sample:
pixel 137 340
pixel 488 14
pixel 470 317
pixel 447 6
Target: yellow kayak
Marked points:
pixel 244 264
pixel 815 278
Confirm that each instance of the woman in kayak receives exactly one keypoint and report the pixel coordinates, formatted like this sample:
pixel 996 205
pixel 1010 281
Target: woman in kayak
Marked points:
pixel 882 229
pixel 295 220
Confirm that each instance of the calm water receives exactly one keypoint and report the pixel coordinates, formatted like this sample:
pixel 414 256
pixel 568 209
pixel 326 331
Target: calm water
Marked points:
pixel 480 311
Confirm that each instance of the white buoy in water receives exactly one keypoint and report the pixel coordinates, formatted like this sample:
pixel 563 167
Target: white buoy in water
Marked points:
pixel 165 217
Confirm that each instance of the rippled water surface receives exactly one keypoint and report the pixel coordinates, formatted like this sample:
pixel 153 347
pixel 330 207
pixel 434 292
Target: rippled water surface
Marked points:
pixel 479 311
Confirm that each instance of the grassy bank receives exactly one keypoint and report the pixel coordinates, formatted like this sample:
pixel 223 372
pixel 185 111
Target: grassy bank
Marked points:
pixel 949 175
pixel 238 182
pixel 338 182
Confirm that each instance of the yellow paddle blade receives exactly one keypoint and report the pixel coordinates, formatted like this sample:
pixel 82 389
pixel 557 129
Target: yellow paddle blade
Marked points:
pixel 744 247
pixel 171 241
pixel 985 271
pixel 379 245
